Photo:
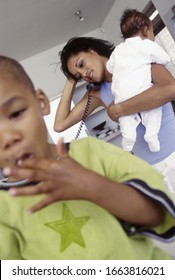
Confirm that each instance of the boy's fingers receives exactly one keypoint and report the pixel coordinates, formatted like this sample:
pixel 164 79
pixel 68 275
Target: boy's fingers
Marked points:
pixel 32 190
pixel 39 188
pixel 32 169
pixel 37 207
pixel 42 204
pixel 19 170
pixel 61 148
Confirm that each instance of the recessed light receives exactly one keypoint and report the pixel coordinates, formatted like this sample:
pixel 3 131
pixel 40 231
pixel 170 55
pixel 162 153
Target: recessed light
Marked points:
pixel 79 16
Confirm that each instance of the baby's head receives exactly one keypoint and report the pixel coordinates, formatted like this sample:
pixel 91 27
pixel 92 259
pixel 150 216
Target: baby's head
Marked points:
pixel 134 23
pixel 23 132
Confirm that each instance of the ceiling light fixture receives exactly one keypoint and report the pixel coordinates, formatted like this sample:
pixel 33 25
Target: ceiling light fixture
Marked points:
pixel 78 14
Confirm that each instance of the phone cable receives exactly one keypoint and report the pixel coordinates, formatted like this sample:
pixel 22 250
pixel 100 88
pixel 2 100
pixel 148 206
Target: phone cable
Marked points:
pixel 89 100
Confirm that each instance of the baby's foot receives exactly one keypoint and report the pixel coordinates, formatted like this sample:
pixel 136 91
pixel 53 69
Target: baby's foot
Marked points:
pixel 154 146
pixel 127 144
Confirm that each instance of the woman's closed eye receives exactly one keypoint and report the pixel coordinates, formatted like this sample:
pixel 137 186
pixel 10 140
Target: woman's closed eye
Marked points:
pixel 79 66
pixel 80 63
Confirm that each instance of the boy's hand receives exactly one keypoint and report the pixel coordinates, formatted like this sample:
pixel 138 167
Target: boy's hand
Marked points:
pixel 62 179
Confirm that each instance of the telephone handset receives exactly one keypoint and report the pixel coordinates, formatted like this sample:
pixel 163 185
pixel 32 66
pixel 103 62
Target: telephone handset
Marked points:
pixel 5 185
pixel 89 87
pixel 93 86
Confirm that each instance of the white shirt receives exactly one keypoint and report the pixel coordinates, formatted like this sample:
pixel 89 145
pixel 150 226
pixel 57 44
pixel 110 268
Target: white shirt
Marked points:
pixel 130 65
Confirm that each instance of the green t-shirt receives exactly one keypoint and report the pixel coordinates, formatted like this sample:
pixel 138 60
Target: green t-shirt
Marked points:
pixel 80 229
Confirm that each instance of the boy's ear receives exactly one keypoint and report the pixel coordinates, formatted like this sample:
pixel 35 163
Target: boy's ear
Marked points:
pixel 43 101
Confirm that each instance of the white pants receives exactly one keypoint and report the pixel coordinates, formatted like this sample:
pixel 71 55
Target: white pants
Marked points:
pixel 167 168
pixel 150 119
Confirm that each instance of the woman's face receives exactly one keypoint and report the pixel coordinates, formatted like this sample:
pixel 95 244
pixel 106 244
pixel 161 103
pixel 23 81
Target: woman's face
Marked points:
pixel 89 66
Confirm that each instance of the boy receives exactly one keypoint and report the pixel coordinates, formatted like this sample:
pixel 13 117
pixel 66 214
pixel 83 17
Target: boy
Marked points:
pixel 99 188
pixel 130 65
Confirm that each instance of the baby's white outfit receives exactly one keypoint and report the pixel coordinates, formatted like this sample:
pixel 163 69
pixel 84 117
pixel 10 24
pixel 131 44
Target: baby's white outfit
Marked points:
pixel 130 66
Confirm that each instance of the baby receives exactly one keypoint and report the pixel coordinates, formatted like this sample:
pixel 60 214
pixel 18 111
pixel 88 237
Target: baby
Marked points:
pixel 130 65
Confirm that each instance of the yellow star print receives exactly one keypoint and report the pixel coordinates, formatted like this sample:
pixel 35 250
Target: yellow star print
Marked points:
pixel 70 228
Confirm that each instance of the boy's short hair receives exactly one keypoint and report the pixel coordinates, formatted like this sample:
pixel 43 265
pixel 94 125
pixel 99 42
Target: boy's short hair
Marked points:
pixel 132 22
pixel 10 67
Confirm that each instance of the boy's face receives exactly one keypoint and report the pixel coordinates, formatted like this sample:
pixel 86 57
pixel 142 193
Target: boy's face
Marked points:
pixel 23 133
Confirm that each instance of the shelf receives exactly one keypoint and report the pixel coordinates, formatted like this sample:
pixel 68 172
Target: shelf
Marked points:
pixel 111 136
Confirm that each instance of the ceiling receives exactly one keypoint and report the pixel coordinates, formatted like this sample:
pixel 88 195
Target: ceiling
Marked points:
pixel 28 27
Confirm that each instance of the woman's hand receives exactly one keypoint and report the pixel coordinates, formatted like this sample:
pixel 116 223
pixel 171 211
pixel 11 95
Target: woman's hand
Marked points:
pixel 114 111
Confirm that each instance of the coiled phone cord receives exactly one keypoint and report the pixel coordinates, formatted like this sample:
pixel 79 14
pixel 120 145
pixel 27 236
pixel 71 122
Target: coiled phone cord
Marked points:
pixel 89 100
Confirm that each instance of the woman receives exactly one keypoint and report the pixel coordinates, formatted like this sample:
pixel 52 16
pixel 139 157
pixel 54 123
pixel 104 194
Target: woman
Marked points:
pixel 85 58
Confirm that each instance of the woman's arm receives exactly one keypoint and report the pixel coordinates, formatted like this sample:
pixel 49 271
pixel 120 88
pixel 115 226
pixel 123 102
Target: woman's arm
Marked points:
pixel 65 116
pixel 162 92
pixel 68 180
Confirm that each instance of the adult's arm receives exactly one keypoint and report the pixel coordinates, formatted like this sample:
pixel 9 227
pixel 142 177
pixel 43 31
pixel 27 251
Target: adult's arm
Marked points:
pixel 162 92
pixel 67 116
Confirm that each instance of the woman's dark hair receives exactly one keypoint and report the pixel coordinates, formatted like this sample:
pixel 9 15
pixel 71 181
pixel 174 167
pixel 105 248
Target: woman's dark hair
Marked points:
pixel 79 44
pixel 132 22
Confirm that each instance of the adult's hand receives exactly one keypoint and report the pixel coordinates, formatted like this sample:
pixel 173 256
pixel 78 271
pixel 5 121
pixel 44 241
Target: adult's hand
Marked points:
pixel 114 111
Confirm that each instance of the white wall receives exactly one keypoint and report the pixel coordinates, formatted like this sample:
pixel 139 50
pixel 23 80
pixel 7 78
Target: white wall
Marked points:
pixel 44 71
